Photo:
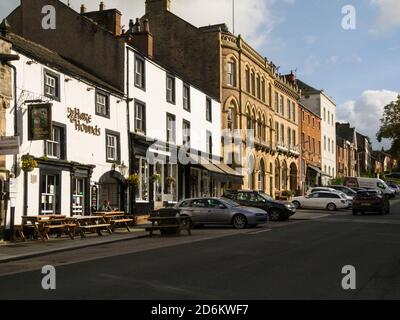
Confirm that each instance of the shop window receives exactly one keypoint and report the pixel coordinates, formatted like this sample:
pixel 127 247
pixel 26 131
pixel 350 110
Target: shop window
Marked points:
pixel 78 196
pixel 142 168
pixel 49 194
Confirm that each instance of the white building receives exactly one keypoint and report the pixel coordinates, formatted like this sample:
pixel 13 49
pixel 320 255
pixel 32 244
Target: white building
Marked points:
pixel 321 104
pixel 83 163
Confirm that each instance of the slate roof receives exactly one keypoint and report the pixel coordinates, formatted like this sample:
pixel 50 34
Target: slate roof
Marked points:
pixel 56 61
pixel 343 130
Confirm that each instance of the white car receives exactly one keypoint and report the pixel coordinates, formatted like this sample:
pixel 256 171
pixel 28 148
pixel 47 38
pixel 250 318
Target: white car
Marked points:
pixel 322 200
pixel 328 189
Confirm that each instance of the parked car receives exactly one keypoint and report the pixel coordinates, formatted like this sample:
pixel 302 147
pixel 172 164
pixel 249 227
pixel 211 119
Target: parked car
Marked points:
pixel 330 189
pixel 370 183
pixel 219 211
pixel 394 186
pixel 371 201
pixel 346 190
pixel 277 210
pixel 322 200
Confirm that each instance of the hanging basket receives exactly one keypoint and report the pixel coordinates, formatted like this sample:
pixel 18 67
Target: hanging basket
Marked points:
pixel 134 180
pixel 28 163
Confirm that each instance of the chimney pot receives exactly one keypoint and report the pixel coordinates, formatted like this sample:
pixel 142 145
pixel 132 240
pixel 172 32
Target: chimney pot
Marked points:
pixel 146 26
pixel 102 6
pixel 83 9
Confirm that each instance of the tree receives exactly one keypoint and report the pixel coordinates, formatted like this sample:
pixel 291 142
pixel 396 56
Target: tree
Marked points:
pixel 390 127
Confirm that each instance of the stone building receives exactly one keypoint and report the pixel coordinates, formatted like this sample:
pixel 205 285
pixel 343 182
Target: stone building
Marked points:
pixel 310 146
pixel 347 137
pixel 258 102
pixel 364 154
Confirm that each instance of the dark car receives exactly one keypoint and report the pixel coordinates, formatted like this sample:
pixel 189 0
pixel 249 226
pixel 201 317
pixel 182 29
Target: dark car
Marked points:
pixel 277 210
pixel 370 201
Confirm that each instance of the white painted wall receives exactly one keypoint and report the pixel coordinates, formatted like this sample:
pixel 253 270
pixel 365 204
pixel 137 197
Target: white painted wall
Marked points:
pixel 81 147
pixel 157 108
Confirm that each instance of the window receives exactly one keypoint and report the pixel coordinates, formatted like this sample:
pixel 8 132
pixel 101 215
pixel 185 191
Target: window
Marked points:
pixel 281 105
pixel 324 114
pixel 258 87
pixel 78 196
pixel 329 117
pixel 170 89
pixel 332 120
pixel 142 192
pixel 232 73
pixel 140 117
pixel 140 81
pixel 303 143
pixel 282 133
pixel 253 83
pixel 270 95
pixel 171 130
pixel 303 115
pixel 313 145
pixel 208 110
pixel 209 142
pixel 309 144
pixel 309 120
pixel 55 148
pixel 329 145
pixel 186 133
pixel 325 144
pixel 231 119
pixel 112 146
pixel 276 132
pixel 294 111
pixel 313 122
pixel 186 97
pixel 102 105
pixel 263 90
pixel 276 102
pixel 289 137
pixel 289 109
pixel 49 194
pixel 248 79
pixel 333 146
pixel 294 138
pixel 51 85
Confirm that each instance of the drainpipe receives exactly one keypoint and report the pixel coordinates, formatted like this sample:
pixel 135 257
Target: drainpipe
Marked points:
pixel 131 194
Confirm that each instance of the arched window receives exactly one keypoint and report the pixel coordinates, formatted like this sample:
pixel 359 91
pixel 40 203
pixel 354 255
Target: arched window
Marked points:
pixel 250 172
pixel 248 120
pixel 271 133
pixel 253 83
pixel 248 79
pixel 231 73
pixel 277 175
pixel 258 87
pixel 261 176
pixel 263 89
pixel 263 137
pixel 254 123
pixel 284 175
pixel 231 118
pixel 270 95
pixel 260 127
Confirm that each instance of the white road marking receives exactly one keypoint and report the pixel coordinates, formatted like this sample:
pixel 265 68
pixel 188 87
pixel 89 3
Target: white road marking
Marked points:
pixel 260 231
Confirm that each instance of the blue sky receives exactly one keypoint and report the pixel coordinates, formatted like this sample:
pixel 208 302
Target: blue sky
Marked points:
pixel 358 68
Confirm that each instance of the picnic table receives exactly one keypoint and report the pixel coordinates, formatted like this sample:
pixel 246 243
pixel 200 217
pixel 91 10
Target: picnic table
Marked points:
pixel 169 221
pixel 86 224
pixel 116 218
pixel 44 224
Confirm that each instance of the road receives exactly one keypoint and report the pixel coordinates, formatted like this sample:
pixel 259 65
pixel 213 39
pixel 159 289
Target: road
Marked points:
pixel 294 260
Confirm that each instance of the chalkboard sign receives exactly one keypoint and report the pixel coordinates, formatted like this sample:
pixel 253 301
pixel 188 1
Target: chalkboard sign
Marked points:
pixel 94 193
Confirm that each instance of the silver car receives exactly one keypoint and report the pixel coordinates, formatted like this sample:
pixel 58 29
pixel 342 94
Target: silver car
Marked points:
pixel 221 211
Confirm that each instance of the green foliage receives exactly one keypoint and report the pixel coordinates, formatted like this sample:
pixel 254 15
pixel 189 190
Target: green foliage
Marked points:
pixel 338 181
pixel 390 126
pixel 134 180
pixel 28 163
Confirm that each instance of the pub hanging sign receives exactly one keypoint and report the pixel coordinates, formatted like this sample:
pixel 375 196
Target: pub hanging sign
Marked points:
pixel 39 121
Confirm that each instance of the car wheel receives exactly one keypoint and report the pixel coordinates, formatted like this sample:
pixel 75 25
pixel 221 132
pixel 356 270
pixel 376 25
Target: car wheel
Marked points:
pixel 296 204
pixel 275 215
pixel 331 207
pixel 239 221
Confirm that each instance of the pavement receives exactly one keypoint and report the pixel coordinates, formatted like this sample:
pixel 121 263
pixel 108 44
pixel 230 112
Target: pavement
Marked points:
pixel 297 259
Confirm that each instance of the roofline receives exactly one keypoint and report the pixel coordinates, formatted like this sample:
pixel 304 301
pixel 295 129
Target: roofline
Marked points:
pixel 315 114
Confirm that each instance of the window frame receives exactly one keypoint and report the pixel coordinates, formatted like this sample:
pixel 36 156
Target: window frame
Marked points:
pixel 56 76
pixel 142 104
pixel 188 107
pixel 171 77
pixel 62 144
pixel 141 86
pixel 117 135
pixel 209 116
pixel 170 116
pixel 107 105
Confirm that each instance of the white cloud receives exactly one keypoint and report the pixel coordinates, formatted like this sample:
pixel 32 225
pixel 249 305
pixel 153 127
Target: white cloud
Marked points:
pixel 388 17
pixel 309 66
pixel 365 112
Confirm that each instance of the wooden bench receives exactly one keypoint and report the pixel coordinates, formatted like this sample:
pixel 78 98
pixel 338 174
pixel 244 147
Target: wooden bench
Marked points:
pixel 123 221
pixel 97 227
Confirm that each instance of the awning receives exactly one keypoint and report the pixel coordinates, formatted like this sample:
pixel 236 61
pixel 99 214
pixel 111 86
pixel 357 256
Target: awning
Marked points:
pixel 318 170
pixel 234 177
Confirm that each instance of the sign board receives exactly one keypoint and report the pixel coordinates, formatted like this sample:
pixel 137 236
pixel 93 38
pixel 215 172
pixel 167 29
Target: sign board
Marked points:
pixel 9 145
pixel 39 121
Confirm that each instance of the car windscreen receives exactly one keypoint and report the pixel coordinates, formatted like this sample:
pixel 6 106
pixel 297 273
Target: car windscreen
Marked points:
pixel 266 196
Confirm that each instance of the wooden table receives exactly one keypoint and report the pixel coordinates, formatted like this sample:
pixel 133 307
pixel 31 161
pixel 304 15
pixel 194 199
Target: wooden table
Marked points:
pixel 116 218
pixel 178 223
pixel 90 224
pixel 42 225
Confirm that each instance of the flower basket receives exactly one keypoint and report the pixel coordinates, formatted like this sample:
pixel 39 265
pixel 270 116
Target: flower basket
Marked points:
pixel 28 163
pixel 171 181
pixel 134 180
pixel 156 177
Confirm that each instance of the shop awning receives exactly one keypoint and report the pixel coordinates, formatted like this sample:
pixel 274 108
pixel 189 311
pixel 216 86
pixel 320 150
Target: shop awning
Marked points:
pixel 232 175
pixel 318 170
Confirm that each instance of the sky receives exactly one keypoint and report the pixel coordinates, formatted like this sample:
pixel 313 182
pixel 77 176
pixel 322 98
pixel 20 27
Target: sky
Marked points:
pixel 359 68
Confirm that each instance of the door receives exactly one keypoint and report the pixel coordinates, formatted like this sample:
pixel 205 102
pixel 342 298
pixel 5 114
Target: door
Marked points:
pixel 78 196
pixel 199 208
pixel 49 194
pixel 312 201
pixel 217 212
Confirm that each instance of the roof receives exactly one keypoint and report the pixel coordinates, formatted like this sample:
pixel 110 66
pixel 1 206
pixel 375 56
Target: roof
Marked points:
pixel 343 130
pixel 56 61
pixel 306 88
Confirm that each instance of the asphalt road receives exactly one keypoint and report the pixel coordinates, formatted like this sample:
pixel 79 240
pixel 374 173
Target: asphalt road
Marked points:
pixel 300 260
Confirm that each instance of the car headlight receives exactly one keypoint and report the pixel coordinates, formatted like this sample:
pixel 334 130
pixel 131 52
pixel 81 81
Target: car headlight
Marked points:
pixel 289 206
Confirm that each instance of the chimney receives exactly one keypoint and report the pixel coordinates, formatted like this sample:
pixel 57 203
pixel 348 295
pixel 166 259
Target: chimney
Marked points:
pixel 109 19
pixel 157 6
pixel 291 78
pixel 83 9
pixel 141 37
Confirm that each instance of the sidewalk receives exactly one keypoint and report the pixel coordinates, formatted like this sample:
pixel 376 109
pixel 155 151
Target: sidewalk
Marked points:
pixel 35 248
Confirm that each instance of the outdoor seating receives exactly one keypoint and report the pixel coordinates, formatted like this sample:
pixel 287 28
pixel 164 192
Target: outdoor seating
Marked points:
pixel 169 221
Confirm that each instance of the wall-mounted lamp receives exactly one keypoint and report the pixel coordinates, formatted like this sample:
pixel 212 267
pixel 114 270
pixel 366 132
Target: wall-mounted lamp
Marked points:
pixel 67 79
pixel 89 89
pixel 119 101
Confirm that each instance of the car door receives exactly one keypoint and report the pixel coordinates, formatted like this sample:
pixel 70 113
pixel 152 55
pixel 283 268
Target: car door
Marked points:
pixel 199 210
pixel 243 198
pixel 313 201
pixel 218 213
pixel 256 201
